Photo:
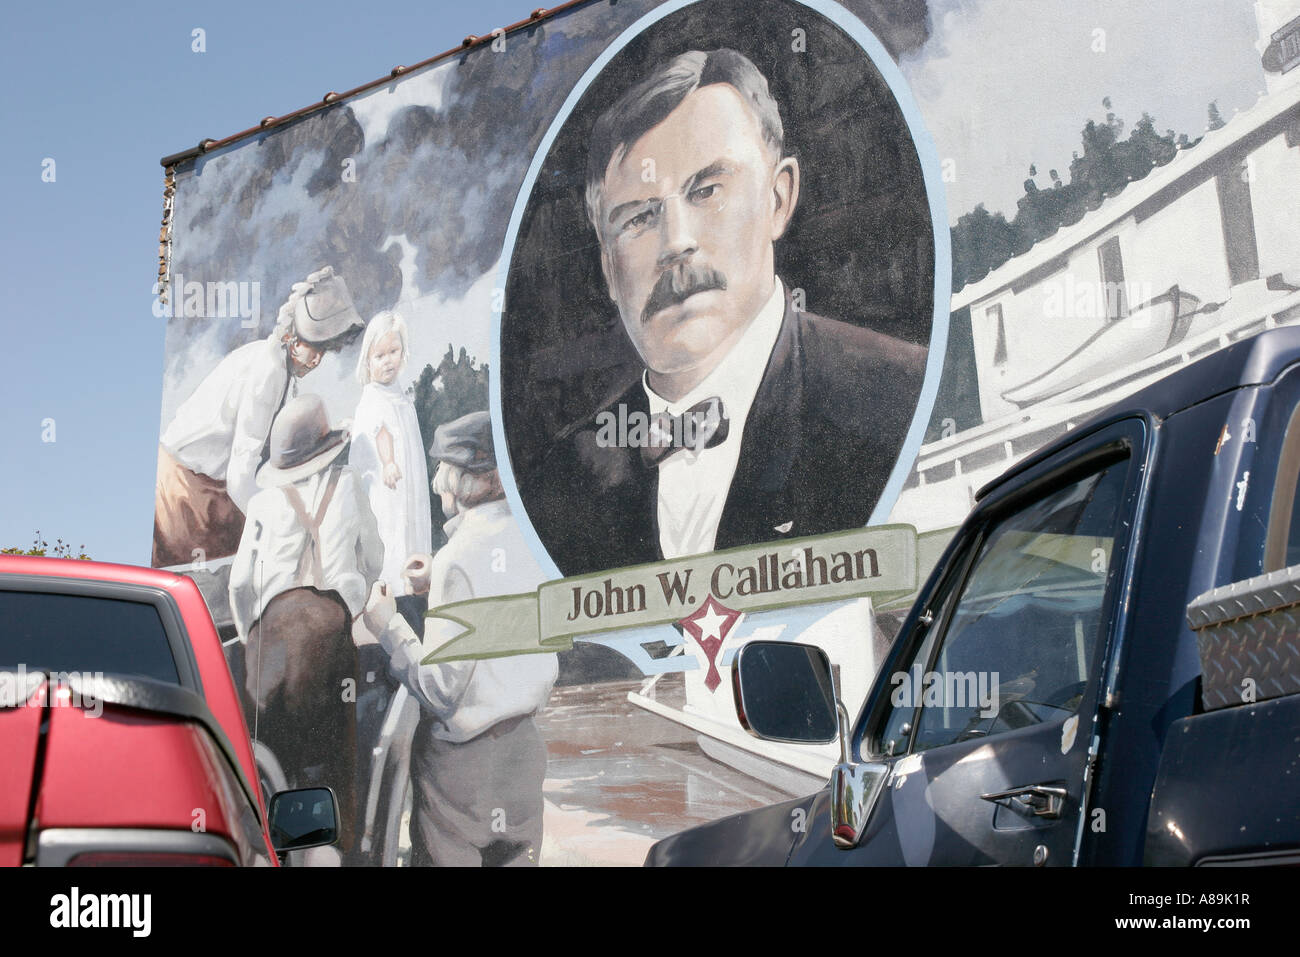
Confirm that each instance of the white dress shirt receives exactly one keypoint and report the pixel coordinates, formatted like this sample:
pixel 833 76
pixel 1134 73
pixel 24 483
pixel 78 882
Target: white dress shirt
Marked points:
pixel 220 430
pixel 693 486
pixel 485 555
pixel 273 542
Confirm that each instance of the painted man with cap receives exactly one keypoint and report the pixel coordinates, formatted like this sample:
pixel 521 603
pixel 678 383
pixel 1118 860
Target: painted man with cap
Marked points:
pixel 477 759
pixel 308 556
pixel 209 453
pixel 689 189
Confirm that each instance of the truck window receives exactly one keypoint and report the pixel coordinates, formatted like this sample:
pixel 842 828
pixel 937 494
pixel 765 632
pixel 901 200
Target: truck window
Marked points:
pixel 1015 647
pixel 46 631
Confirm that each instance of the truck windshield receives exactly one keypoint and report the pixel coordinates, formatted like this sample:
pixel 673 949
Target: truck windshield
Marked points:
pixel 44 631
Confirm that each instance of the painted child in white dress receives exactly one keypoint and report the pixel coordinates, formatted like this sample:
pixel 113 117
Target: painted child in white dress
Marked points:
pixel 388 451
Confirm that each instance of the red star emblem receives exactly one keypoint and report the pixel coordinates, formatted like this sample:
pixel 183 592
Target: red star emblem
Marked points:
pixel 709 626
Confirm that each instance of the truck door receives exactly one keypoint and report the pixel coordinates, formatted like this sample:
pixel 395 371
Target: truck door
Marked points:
pixel 993 695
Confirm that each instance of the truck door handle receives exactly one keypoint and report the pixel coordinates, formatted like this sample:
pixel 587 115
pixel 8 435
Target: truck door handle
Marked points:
pixel 1039 800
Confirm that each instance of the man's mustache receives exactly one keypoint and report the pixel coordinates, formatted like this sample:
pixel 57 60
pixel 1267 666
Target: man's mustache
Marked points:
pixel 678 284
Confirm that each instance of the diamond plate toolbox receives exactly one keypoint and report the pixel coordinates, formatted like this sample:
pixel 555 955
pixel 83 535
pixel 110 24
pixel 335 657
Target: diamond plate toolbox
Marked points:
pixel 1248 635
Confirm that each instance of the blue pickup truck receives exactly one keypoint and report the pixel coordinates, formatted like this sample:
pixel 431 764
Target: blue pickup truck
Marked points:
pixel 1102 669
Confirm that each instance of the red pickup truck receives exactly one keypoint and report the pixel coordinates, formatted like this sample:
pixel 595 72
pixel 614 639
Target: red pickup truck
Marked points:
pixel 121 731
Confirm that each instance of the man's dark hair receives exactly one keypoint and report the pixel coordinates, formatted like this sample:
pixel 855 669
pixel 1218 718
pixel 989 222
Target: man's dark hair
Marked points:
pixel 648 103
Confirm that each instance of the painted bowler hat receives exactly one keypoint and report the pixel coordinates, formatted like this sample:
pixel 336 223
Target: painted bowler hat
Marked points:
pixel 302 442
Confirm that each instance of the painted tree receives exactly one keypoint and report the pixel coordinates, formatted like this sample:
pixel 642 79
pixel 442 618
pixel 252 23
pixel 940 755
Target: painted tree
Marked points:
pixel 456 387
pixel 1214 119
pixel 1109 161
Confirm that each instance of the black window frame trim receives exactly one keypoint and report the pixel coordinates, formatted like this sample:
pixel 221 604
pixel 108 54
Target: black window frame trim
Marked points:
pixel 1286 483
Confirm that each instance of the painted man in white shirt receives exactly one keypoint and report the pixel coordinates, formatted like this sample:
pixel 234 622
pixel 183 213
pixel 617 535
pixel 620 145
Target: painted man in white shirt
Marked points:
pixel 309 553
pixel 477 759
pixel 688 190
pixel 209 454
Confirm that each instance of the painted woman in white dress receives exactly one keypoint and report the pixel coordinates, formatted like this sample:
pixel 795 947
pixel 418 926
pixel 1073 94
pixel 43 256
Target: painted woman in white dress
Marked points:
pixel 387 449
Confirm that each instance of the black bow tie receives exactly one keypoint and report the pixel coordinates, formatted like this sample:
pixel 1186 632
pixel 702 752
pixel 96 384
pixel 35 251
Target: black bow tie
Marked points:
pixel 702 426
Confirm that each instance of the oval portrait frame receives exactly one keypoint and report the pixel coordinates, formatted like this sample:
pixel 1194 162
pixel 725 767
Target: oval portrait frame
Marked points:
pixel 930 166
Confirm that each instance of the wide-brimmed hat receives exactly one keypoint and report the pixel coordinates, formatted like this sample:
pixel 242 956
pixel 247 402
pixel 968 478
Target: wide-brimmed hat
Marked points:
pixel 466 442
pixel 322 307
pixel 302 442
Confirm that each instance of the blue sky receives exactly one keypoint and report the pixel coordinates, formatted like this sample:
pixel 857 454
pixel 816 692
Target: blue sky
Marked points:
pixel 105 91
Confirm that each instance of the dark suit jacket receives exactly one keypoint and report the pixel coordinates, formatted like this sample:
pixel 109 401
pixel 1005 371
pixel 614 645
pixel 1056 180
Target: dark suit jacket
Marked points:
pixel 826 427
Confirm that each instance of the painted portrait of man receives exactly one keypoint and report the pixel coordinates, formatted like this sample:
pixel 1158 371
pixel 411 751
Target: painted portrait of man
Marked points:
pixel 750 419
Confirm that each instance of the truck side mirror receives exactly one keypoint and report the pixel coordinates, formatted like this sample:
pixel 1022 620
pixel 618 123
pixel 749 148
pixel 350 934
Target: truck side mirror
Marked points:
pixel 303 818
pixel 786 692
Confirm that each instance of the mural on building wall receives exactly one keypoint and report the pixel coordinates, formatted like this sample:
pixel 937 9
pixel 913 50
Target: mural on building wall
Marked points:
pixel 489 442
pixel 718 184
